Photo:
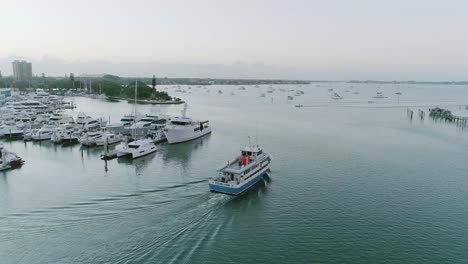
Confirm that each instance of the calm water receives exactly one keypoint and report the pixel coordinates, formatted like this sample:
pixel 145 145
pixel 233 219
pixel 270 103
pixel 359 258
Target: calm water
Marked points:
pixel 351 182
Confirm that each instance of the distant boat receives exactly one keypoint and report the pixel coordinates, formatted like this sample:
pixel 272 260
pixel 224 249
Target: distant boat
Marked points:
pixel 379 95
pixel 336 96
pixel 220 92
pixel 290 97
pixel 262 95
pixel 398 93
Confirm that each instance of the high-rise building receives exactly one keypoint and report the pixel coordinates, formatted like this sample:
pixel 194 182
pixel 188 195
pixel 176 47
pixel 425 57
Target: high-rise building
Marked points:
pixel 22 70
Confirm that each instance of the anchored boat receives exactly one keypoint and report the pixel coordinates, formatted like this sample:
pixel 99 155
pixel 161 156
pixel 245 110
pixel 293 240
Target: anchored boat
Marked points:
pixel 243 172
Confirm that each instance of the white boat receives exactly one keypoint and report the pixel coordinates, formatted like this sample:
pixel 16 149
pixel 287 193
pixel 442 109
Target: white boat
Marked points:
pixel 182 129
pixel 29 134
pixel 45 133
pixel 70 138
pixel 124 124
pixel 60 119
pixel 157 135
pixel 109 138
pixel 65 131
pixel 137 148
pixel 243 172
pixel 9 159
pixel 90 138
pixel 379 95
pixel 336 96
pixel 12 130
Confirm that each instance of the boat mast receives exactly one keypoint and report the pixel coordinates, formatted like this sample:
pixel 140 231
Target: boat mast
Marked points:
pixel 134 108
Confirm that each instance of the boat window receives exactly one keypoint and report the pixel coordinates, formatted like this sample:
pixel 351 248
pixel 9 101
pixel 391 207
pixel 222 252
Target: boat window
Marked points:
pixel 133 146
pixel 180 123
pixel 196 129
pixel 259 152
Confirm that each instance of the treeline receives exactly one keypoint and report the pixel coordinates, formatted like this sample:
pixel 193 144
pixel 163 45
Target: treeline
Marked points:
pixel 109 85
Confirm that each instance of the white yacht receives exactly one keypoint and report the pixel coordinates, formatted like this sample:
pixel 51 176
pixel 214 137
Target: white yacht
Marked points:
pixel 30 133
pixel 137 148
pixel 65 132
pixel 89 138
pixel 109 138
pixel 182 129
pixel 12 130
pixel 148 122
pixel 124 124
pixel 9 159
pixel 87 122
pixel 45 133
pixel 60 119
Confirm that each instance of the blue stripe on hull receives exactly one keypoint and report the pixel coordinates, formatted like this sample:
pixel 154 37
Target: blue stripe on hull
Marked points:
pixel 239 190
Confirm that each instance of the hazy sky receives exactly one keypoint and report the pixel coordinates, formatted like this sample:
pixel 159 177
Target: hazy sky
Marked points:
pixel 332 39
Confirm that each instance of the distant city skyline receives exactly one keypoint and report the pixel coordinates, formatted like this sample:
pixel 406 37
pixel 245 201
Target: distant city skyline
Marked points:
pixel 298 39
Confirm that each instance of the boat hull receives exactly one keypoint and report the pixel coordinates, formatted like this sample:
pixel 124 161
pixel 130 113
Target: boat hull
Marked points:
pixel 144 153
pixel 239 189
pixel 175 136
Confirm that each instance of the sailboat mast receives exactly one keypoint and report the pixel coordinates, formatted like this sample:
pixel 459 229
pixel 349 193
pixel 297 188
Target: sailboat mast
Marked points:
pixel 134 107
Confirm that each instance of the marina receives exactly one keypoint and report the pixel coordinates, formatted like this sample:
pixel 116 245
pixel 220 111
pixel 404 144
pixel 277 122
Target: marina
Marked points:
pixel 66 195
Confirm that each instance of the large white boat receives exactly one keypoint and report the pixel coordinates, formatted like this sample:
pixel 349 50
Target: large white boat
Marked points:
pixel 90 138
pixel 12 130
pixel 109 138
pixel 88 123
pixel 124 124
pixel 9 159
pixel 60 119
pixel 137 148
pixel 28 135
pixel 243 172
pixel 182 129
pixel 45 133
pixel 64 133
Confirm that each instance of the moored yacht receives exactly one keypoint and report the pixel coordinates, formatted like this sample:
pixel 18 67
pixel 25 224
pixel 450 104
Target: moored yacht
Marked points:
pixel 89 138
pixel 124 124
pixel 45 133
pixel 137 148
pixel 9 159
pixel 109 138
pixel 243 172
pixel 182 129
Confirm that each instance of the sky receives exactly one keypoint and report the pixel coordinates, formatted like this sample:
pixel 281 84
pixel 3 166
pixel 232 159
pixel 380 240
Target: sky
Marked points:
pixel 288 39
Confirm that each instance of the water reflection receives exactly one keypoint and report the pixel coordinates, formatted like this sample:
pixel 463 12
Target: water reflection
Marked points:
pixel 140 164
pixel 182 153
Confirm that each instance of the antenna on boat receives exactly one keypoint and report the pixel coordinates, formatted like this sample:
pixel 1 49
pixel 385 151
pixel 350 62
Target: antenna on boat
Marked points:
pixel 256 132
pixel 249 142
